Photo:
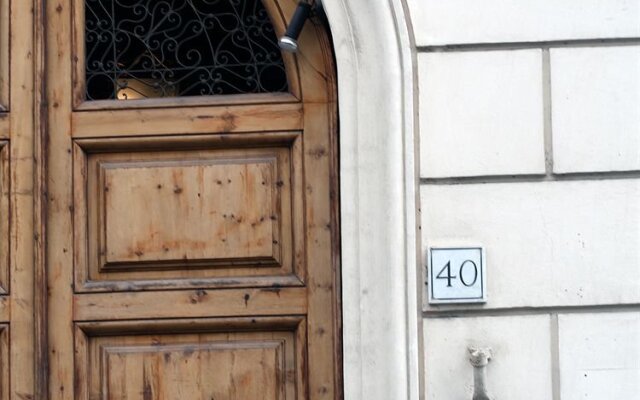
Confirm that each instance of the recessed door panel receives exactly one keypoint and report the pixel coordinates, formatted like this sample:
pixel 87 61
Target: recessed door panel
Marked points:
pixel 228 214
pixel 237 359
pixel 185 211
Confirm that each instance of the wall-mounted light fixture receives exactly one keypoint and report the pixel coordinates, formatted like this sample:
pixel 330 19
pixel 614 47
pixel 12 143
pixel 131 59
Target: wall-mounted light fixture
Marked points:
pixel 289 42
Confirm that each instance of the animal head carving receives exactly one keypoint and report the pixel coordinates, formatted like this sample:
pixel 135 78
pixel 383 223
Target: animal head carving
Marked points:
pixel 479 357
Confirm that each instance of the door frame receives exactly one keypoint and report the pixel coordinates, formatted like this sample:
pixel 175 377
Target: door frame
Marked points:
pixel 381 278
pixel 379 207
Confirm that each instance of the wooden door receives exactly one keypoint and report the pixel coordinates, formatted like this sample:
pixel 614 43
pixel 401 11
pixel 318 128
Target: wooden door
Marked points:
pixel 192 240
pixel 20 223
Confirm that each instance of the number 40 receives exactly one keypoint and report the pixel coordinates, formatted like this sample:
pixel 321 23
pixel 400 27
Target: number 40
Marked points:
pixel 449 277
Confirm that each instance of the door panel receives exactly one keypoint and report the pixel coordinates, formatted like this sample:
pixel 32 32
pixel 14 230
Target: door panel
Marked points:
pixel 223 213
pixel 192 242
pixel 201 359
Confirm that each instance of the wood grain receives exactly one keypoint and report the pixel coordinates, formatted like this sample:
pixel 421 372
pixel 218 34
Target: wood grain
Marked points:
pixel 40 205
pixel 5 124
pixel 59 242
pixel 229 367
pixel 201 359
pixel 322 224
pixel 186 218
pixel 5 309
pixel 163 211
pixel 159 261
pixel 222 119
pixel 4 362
pixel 190 303
pixel 6 22
pixel 21 197
pixel 5 213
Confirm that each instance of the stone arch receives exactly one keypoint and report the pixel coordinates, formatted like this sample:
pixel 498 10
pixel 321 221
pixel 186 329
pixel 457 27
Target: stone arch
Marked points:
pixel 380 277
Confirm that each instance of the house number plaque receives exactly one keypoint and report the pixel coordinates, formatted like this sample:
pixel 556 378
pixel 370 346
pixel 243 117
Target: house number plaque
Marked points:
pixel 456 275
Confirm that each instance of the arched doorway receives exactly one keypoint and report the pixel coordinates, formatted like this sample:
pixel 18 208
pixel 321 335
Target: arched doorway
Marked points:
pixel 377 174
pixel 192 242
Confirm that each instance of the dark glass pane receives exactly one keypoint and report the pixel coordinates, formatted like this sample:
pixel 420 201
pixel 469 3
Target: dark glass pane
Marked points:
pixel 166 48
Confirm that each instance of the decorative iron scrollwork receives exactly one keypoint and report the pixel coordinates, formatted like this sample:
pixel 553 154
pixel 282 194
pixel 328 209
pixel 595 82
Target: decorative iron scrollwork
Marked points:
pixel 166 48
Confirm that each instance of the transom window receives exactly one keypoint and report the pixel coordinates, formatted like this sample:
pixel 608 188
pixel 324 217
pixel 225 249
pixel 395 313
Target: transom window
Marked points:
pixel 165 48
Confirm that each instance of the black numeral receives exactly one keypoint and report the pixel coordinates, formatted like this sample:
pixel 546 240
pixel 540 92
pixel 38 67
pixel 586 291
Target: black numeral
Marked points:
pixel 447 270
pixel 449 277
pixel 475 273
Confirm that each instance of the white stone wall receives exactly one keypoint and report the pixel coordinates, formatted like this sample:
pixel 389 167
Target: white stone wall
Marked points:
pixel 529 116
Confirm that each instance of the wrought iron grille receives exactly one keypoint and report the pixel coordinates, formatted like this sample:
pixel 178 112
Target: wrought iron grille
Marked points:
pixel 165 48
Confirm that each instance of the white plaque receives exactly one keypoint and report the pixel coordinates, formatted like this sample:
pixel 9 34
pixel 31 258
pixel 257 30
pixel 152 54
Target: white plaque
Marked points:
pixel 456 275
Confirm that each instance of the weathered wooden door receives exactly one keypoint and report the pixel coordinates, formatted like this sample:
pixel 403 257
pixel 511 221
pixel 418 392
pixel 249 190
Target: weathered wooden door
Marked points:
pixel 192 228
pixel 20 231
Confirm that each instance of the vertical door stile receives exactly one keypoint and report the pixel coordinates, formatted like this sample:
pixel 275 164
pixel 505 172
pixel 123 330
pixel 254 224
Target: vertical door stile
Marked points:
pixel 59 201
pixel 21 200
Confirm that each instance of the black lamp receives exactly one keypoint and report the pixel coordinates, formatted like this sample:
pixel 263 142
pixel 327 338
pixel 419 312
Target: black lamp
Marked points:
pixel 289 42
